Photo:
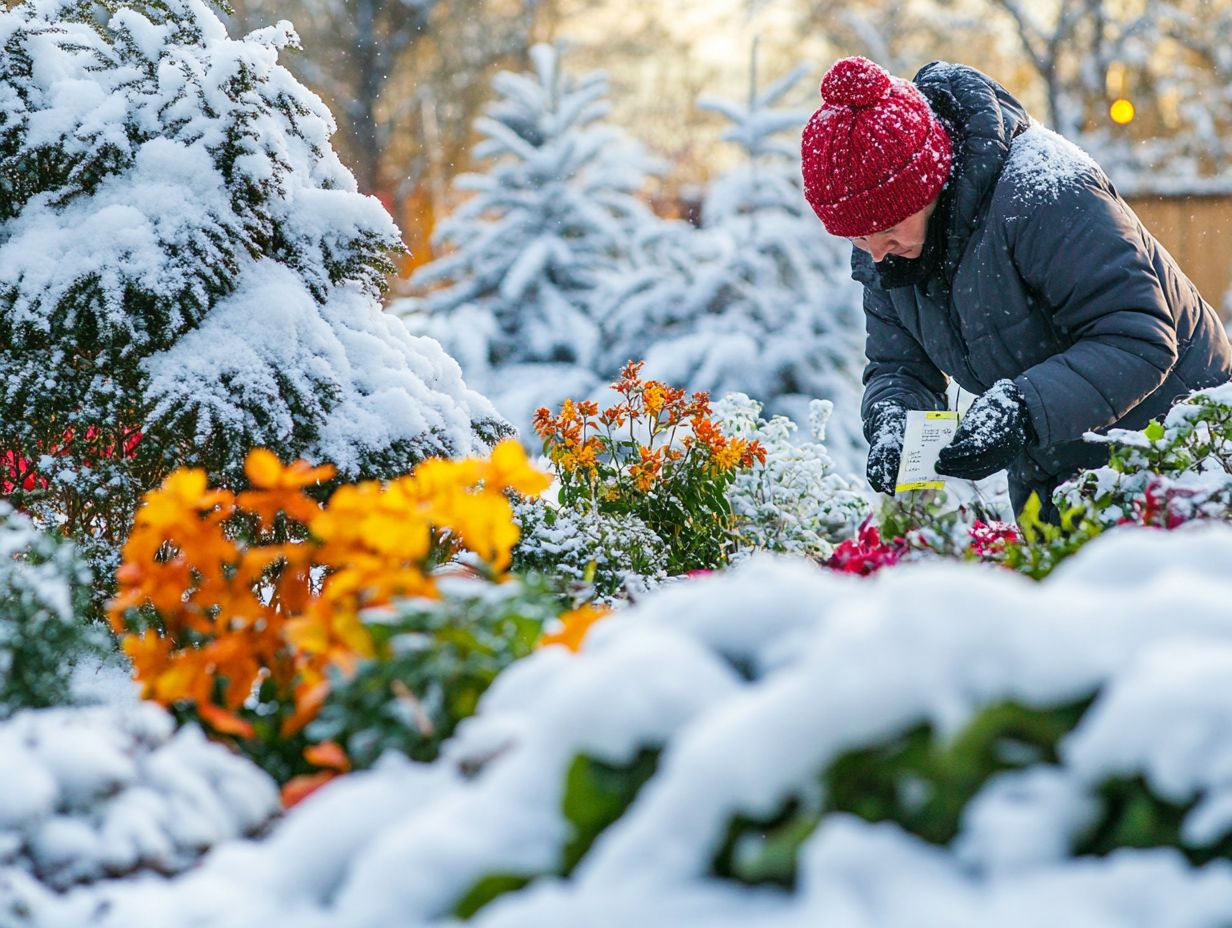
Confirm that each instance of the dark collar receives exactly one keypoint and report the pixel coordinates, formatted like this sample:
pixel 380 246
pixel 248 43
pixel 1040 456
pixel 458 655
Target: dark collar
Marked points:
pixel 897 272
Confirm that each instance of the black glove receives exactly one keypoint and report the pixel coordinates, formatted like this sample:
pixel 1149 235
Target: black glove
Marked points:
pixel 993 433
pixel 884 428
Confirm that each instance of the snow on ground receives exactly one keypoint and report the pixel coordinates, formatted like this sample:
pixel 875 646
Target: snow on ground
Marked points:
pixel 754 681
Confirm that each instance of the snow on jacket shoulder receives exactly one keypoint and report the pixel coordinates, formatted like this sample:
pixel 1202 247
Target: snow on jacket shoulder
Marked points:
pixel 1046 277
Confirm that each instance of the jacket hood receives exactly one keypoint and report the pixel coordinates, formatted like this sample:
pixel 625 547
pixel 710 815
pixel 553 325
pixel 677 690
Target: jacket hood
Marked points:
pixel 983 119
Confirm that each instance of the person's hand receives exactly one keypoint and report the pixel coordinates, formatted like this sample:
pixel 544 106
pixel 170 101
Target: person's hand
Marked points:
pixel 887 422
pixel 993 433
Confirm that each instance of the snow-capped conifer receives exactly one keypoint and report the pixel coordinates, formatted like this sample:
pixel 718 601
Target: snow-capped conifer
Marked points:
pixel 553 210
pixel 187 270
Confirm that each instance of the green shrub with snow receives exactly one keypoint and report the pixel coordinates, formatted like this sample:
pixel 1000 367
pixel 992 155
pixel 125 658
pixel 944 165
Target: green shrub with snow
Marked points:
pixel 187 271
pixel 100 793
pixel 512 296
pixel 436 657
pixel 792 502
pixel 608 555
pixel 44 589
pixel 1168 473
pixel 779 745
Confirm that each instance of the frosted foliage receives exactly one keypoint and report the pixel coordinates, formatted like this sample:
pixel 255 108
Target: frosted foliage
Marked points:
pixel 794 502
pixel 98 793
pixel 759 300
pixel 1195 482
pixel 170 198
pixel 42 584
pixel 611 553
pixel 350 383
pixel 753 682
pixel 554 209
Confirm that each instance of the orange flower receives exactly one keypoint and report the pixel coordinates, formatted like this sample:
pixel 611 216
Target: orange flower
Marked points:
pixel 239 614
pixel 301 787
pixel 544 422
pixel 707 433
pixel 614 416
pixel 280 489
pixel 328 754
pixel 574 626
pixel 700 407
pixel 629 377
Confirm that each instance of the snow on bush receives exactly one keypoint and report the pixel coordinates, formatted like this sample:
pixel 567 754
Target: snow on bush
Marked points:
pixel 43 584
pixel 188 271
pixel 943 744
pixel 99 793
pixel 612 554
pixel 1168 473
pixel 792 502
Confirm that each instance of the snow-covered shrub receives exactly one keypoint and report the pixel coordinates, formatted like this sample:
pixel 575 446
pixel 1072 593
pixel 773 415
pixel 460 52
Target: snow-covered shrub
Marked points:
pixel 793 501
pixel 553 209
pixel 434 660
pixel 187 270
pixel 1168 473
pixel 609 555
pixel 98 793
pixel 778 745
pixel 759 299
pixel 44 589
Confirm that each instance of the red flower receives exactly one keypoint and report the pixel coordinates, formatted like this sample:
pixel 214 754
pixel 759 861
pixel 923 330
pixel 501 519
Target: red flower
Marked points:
pixel 990 539
pixel 866 553
pixel 1160 504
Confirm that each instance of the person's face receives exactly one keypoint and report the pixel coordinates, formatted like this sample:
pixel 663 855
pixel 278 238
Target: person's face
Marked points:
pixel 905 240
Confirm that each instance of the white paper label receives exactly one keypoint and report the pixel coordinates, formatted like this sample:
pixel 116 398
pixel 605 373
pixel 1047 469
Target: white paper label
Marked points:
pixel 926 434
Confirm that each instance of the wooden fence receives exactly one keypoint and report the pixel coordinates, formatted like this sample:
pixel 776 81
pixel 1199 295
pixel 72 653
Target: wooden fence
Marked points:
pixel 1197 230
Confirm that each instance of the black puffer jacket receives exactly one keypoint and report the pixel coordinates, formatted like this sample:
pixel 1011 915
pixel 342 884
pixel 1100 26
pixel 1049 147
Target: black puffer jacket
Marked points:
pixel 1039 272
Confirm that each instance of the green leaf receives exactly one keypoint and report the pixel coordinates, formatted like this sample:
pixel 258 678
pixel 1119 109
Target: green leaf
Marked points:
pixel 486 890
pixel 1154 430
pixel 596 795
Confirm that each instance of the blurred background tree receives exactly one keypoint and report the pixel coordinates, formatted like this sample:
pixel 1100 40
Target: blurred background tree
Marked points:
pixel 407 79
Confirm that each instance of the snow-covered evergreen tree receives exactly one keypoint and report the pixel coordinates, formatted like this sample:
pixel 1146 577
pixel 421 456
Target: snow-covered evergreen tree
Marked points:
pixel 554 209
pixel 759 300
pixel 187 270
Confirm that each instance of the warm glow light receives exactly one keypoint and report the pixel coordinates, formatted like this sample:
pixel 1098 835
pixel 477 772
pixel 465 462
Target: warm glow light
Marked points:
pixel 1121 111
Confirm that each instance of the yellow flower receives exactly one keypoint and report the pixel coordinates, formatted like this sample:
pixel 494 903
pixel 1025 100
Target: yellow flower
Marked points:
pixel 653 397
pixel 510 468
pixel 729 454
pixel 243 613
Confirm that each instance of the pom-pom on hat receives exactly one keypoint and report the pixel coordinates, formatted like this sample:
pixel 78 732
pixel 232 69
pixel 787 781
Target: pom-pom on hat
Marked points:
pixel 874 153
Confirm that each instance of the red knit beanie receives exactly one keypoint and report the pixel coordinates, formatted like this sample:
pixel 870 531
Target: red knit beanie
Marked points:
pixel 874 153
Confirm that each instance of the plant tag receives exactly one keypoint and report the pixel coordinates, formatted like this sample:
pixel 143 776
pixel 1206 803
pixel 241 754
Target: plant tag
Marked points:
pixel 926 434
